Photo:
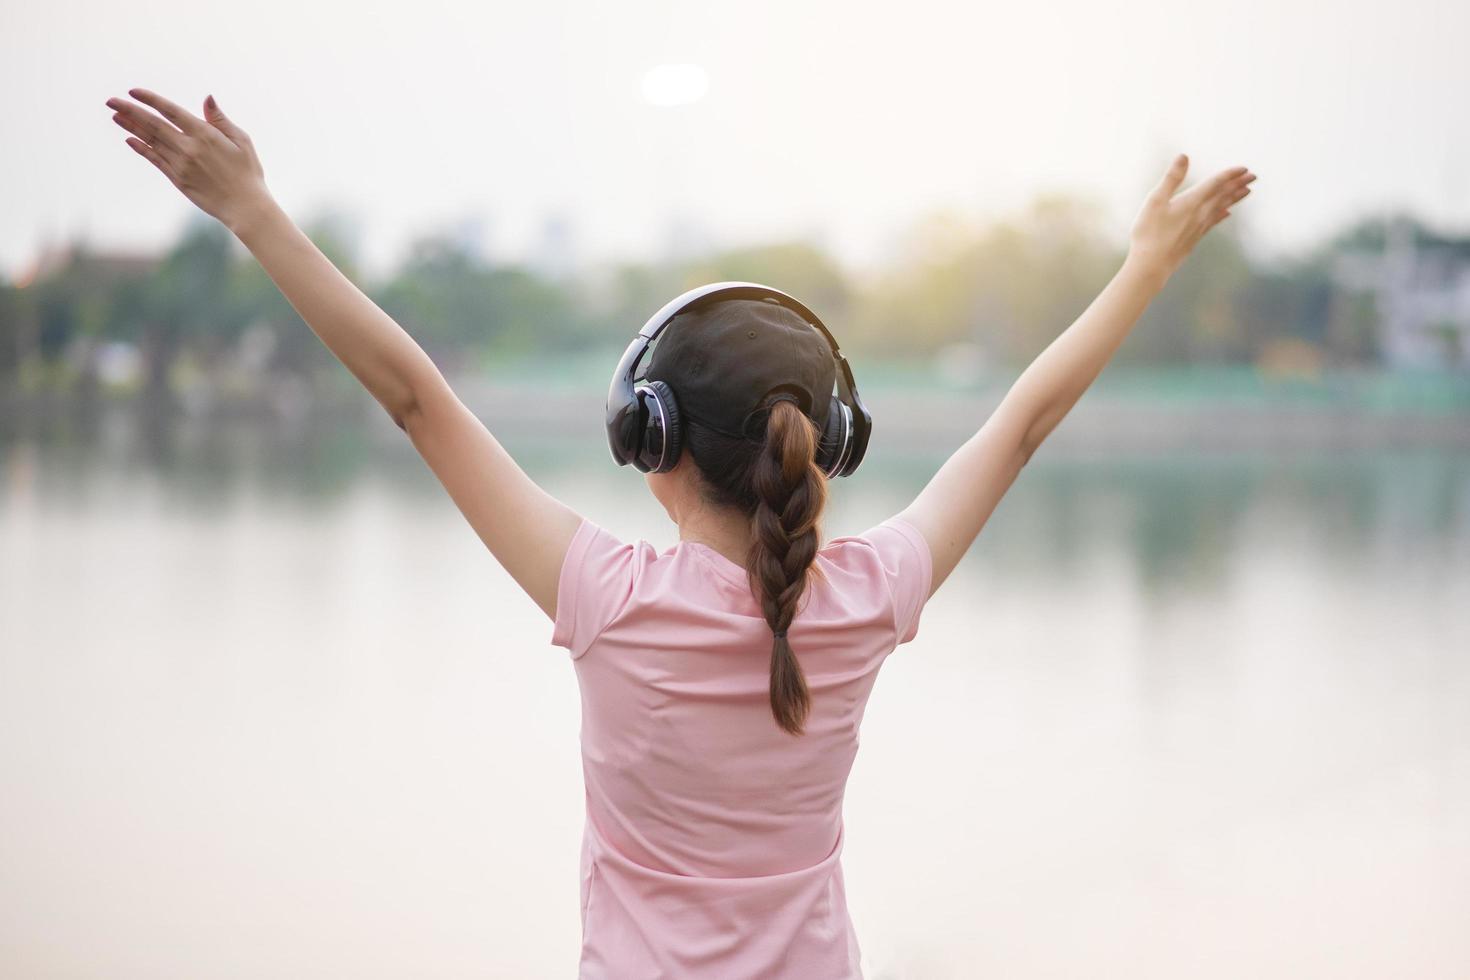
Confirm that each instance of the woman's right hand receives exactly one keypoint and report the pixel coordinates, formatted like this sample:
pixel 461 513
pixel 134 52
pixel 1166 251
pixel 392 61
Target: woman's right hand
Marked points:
pixel 211 160
pixel 1168 226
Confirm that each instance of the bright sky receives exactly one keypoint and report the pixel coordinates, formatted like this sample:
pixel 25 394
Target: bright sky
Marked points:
pixel 835 119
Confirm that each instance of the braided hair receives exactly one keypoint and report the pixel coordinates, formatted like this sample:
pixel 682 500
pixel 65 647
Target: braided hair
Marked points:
pixel 778 485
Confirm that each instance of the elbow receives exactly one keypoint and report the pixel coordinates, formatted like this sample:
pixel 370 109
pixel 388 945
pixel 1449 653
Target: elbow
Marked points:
pixel 403 413
pixel 1020 427
pixel 409 401
pixel 1030 441
pixel 1024 453
pixel 1035 434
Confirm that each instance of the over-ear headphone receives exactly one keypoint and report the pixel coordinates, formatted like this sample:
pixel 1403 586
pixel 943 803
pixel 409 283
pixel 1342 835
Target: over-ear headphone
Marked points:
pixel 643 423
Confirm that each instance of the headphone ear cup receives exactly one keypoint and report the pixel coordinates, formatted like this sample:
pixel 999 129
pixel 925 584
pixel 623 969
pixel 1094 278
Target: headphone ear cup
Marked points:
pixel 835 435
pixel 663 430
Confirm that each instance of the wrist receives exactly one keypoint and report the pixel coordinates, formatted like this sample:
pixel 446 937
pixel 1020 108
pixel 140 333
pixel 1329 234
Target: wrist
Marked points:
pixel 1149 268
pixel 251 217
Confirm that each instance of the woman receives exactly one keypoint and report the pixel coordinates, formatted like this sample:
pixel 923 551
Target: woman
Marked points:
pixel 714 774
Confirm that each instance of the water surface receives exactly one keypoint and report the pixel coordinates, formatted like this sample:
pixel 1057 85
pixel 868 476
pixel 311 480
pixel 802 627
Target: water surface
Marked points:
pixel 269 709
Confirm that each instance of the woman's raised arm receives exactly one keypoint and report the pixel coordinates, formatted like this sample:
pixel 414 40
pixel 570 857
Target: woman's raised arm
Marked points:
pixel 213 162
pixel 954 506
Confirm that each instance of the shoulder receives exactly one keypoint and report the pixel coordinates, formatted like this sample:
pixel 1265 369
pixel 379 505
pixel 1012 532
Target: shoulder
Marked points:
pixel 597 580
pixel 593 542
pixel 889 563
pixel 893 542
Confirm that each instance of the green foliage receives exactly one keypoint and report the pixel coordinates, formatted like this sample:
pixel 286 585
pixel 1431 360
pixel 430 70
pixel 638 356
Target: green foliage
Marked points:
pixel 453 304
pixel 797 268
pixel 1199 315
pixel 1010 288
pixel 1004 289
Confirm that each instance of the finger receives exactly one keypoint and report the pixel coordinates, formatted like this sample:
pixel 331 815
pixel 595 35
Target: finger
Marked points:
pixel 168 160
pixel 1231 186
pixel 174 113
pixel 1172 178
pixel 1233 191
pixel 163 150
pixel 1209 188
pixel 1234 196
pixel 151 155
pixel 142 123
pixel 216 118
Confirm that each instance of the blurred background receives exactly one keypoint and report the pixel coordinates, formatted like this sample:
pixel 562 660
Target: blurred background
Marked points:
pixel 1196 704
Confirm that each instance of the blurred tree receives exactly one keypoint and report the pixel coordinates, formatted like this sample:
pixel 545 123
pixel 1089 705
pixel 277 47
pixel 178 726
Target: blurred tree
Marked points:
pixel 998 291
pixel 1197 318
pixel 1010 287
pixel 1298 300
pixel 453 304
pixel 1056 267
pixel 77 298
pixel 18 335
pixel 1370 234
pixel 186 300
pixel 251 298
pixel 798 268
pixel 627 295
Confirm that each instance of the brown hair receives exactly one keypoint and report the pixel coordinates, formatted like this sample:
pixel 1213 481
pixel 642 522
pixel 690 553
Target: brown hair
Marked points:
pixel 777 484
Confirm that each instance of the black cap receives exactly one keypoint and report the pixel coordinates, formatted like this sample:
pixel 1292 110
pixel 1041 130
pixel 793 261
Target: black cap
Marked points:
pixel 728 362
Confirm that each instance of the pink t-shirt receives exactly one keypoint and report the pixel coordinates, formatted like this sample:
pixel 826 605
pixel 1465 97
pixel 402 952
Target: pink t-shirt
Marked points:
pixel 713 838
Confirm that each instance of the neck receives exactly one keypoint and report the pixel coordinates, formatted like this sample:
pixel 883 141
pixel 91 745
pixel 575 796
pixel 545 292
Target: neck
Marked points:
pixel 727 532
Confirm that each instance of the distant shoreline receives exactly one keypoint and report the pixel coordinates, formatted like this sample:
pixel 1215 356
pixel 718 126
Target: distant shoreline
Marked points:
pixel 909 420
pixel 1127 409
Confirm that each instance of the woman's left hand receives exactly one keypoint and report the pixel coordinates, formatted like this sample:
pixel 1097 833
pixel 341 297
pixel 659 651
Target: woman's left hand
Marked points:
pixel 1169 225
pixel 211 160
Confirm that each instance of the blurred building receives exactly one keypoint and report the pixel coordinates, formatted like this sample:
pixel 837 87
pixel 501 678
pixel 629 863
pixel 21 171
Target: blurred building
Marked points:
pixel 72 291
pixel 1421 286
pixel 54 259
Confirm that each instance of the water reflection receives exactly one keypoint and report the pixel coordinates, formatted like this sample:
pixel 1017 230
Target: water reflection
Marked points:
pixel 265 701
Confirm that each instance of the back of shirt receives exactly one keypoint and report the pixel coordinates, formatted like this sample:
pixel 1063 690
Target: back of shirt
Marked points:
pixel 713 837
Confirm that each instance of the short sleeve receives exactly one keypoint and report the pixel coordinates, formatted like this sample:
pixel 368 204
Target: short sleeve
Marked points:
pixel 909 569
pixel 595 584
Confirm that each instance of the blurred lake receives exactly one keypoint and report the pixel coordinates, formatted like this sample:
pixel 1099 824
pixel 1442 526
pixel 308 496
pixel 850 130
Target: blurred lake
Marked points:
pixel 268 709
